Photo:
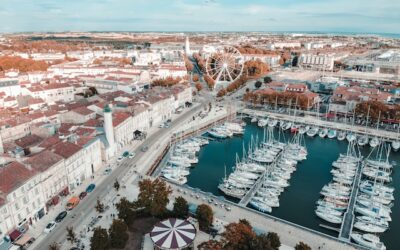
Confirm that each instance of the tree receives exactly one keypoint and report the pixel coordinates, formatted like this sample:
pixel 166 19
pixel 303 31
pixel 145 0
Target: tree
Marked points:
pixel 195 78
pixel 99 206
pixel 239 235
pixel 116 185
pixel 221 92
pixel 126 211
pixel 71 234
pixel 267 79
pixel 257 84
pixel 181 207
pixel 118 234
pixel 153 197
pixel 205 217
pixel 54 246
pixel 302 246
pixel 261 242
pixel 274 240
pixel 198 86
pixel 99 240
pixel 210 245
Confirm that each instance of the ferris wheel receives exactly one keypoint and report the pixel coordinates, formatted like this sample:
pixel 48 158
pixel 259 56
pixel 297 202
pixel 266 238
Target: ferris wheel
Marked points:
pixel 224 65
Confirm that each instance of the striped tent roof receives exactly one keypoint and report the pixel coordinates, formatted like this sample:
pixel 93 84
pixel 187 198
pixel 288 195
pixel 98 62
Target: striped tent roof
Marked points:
pixel 173 234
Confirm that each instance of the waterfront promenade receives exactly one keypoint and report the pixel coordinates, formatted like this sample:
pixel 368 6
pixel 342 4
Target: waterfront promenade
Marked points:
pixel 289 233
pixel 313 121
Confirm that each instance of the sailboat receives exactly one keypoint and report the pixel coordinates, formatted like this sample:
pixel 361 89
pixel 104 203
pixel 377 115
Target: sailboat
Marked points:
pixel 332 133
pixel 368 240
pixel 323 132
pixel 341 135
pixel 312 131
pixel 374 142
pixel 362 140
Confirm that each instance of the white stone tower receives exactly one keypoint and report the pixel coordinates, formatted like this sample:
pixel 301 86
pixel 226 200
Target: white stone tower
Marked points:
pixel 108 127
pixel 1 146
pixel 187 46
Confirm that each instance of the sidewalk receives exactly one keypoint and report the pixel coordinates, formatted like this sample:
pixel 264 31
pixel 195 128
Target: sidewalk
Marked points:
pixel 36 230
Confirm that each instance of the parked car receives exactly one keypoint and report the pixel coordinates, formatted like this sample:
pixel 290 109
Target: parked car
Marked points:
pixel 50 227
pixel 90 188
pixel 107 171
pixel 72 203
pixel 60 216
pixel 82 195
pixel 131 155
pixel 144 148
pixel 120 158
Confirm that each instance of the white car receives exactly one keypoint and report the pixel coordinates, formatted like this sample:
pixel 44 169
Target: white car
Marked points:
pixel 50 227
pixel 131 155
pixel 120 159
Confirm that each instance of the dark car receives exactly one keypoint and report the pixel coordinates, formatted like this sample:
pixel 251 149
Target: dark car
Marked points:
pixel 82 195
pixel 60 216
pixel 90 188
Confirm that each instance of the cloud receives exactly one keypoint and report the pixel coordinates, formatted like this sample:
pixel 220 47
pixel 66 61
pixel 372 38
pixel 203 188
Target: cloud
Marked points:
pixel 201 15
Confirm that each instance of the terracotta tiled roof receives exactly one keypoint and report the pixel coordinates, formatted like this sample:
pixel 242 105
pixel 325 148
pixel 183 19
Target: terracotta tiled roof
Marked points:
pixel 119 117
pixel 93 123
pixel 28 140
pixel 13 176
pixel 66 149
pixel 50 141
pixel 83 111
pixel 43 160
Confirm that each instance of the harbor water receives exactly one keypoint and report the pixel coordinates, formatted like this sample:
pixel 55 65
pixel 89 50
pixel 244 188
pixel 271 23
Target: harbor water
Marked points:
pixel 298 201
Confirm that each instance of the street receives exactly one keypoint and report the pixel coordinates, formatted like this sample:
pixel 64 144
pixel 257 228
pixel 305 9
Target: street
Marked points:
pixel 76 216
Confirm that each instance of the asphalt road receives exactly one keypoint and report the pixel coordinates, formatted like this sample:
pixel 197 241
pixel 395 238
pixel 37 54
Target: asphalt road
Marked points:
pixel 76 216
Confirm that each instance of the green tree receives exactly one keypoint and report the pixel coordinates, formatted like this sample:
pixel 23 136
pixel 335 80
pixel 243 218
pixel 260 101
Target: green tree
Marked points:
pixel 126 211
pixel 204 215
pixel 181 207
pixel 302 246
pixel 274 240
pixel 116 185
pixel 118 234
pixel 99 206
pixel 267 79
pixel 99 240
pixel 54 246
pixel 71 234
pixel 258 84
pixel 153 197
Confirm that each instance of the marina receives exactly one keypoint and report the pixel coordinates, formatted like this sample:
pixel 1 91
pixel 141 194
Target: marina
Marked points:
pixel 305 185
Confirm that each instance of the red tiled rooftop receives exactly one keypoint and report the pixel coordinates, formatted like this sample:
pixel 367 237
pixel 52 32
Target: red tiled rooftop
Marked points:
pixel 66 149
pixel 13 176
pixel 28 140
pixel 119 117
pixel 83 111
pixel 50 141
pixel 93 123
pixel 43 160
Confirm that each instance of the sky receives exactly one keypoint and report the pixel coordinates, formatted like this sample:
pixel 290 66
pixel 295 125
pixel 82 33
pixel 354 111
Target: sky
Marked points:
pixel 363 16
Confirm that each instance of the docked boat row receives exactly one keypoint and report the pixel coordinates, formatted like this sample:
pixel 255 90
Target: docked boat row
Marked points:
pixel 374 201
pixel 335 196
pixel 278 174
pixel 228 129
pixel 360 139
pixel 181 158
